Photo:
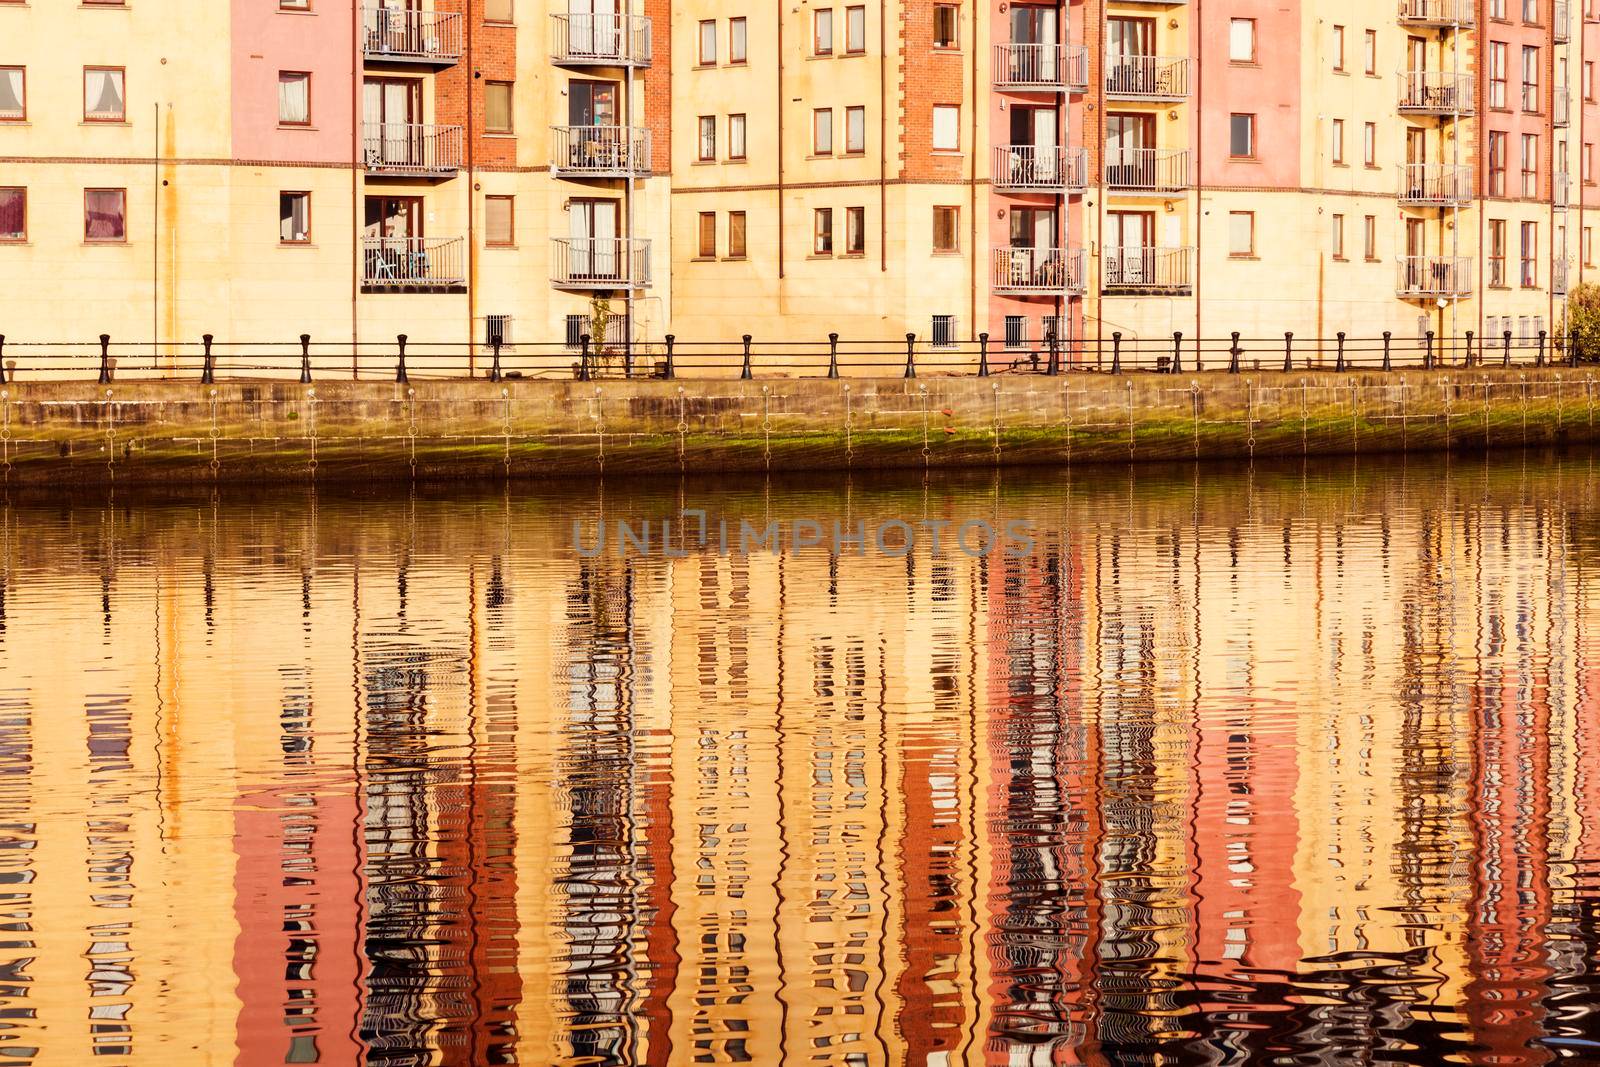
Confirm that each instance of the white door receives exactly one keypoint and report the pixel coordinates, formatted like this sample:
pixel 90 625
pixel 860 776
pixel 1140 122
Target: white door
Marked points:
pixel 592 226
pixel 1044 143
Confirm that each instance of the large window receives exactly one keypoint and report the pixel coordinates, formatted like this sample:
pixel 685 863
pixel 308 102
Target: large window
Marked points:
pixel 1530 78
pixel 1242 40
pixel 855 130
pixel 1530 253
pixel 294 218
pixel 13 214
pixel 946 26
pixel 1497 163
pixel 946 229
pixel 103 99
pixel 822 32
pixel 946 128
pixel 855 230
pixel 1241 136
pixel 1497 74
pixel 736 137
pixel 708 42
pixel 105 215
pixel 1338 237
pixel 13 94
pixel 1369 238
pixel 822 231
pixel 1337 146
pixel 822 131
pixel 500 221
pixel 1369 143
pixel 1242 233
pixel 497 10
pixel 497 112
pixel 1530 164
pixel 738 42
pixel 1338 48
pixel 706 144
pixel 855 30
pixel 707 236
pixel 736 235
pixel 1497 252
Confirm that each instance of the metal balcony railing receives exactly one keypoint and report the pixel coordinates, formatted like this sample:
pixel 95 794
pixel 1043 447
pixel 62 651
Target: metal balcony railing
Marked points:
pixel 1156 170
pixel 1435 184
pixel 1147 77
pixel 413 262
pixel 405 148
pixel 1559 111
pixel 1436 92
pixel 601 40
pixel 1560 190
pixel 1438 12
pixel 1034 168
pixel 1041 67
pixel 600 151
pixel 1561 21
pixel 1147 269
pixel 1434 276
pixel 405 35
pixel 600 263
pixel 1041 271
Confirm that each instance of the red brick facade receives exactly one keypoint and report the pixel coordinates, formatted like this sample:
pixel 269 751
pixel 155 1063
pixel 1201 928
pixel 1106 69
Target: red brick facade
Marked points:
pixel 930 76
pixel 492 56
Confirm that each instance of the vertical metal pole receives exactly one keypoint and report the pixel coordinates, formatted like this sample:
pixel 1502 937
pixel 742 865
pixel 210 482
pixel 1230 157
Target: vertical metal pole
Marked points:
pixel 833 355
pixel 1386 336
pixel 1427 351
pixel 2 359
pixel 1538 358
pixel 583 357
pixel 305 359
pixel 1288 352
pixel 1233 354
pixel 1177 351
pixel 1338 360
pixel 911 357
pixel 983 355
pixel 745 372
pixel 494 368
pixel 1506 359
pixel 1116 352
pixel 1054 366
pixel 207 370
pixel 672 369
pixel 400 366
pixel 105 358
pixel 1572 347
pixel 1468 360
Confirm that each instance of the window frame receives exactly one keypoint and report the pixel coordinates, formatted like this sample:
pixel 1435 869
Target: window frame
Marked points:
pixel 295 7
pixel 1497 253
pixel 23 238
pixel 861 48
pixel 954 213
pixel 1253 58
pixel 855 226
pixel 291 241
pixel 1499 147
pixel 744 235
pixel 933 128
pixel 1528 257
pixel 1336 148
pixel 509 20
pixel 122 191
pixel 705 142
pixel 954 44
pixel 738 147
pixel 860 110
pixel 822 231
pixel 24 71
pixel 706 51
pixel 1369 50
pixel 510 129
pixel 741 56
pixel 1250 135
pixel 701 233
pixel 821 119
pixel 511 221
pixel 1369 144
pixel 1338 236
pixel 1531 88
pixel 1250 245
pixel 1338 50
pixel 1530 166
pixel 818 17
pixel 123 117
pixel 1369 238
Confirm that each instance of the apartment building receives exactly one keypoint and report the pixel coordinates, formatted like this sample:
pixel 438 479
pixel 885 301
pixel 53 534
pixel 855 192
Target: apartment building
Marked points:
pixel 487 168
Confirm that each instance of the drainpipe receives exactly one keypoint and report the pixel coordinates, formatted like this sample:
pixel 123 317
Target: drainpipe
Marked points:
pixel 628 71
pixel 779 8
pixel 155 242
pixel 1197 138
pixel 883 141
pixel 1096 62
pixel 973 275
pixel 357 64
pixel 472 196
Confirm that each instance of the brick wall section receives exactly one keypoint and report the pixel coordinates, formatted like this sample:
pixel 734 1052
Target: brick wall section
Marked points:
pixel 658 86
pixel 927 78
pixel 494 58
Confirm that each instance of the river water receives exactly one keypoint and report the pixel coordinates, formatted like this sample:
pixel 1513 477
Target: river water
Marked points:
pixel 1285 765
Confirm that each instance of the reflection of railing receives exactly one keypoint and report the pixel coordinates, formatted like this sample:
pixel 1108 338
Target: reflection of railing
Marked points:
pixel 600 151
pixel 1038 270
pixel 412 261
pixel 1147 77
pixel 1436 92
pixel 407 35
pixel 601 263
pixel 1026 167
pixel 1435 183
pixel 601 40
pixel 1148 269
pixel 1437 12
pixel 409 148
pixel 1050 67
pixel 1435 275
pixel 1148 169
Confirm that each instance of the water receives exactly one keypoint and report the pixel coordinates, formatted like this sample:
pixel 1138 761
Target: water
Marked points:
pixel 1275 766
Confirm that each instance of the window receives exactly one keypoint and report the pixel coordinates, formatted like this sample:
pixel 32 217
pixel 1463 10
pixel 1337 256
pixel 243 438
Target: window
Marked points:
pixel 1530 164
pixel 497 107
pixel 736 147
pixel 855 30
pixel 13 94
pixel 822 131
pixel 944 331
pixel 708 42
pixel 1497 74
pixel 294 5
pixel 1530 250
pixel 1530 78
pixel 105 215
pixel 1530 12
pixel 1016 331
pixel 1588 80
pixel 945 26
pixel 1588 163
pixel 577 326
pixel 946 229
pixel 1369 49
pixel 1369 238
pixel 103 99
pixel 738 42
pixel 497 10
pixel 1497 163
pixel 14 214
pixel 822 231
pixel 855 130
pixel 855 230
pixel 1241 233
pixel 1057 326
pixel 294 218
pixel 706 146
pixel 1338 237
pixel 1338 140
pixel 707 235
pixel 1588 238
pixel 496 330
pixel 1338 48
pixel 1497 252
pixel 1242 136
pixel 736 239
pixel 822 32
pixel 500 221
pixel 1242 40
pixel 1369 143
pixel 946 128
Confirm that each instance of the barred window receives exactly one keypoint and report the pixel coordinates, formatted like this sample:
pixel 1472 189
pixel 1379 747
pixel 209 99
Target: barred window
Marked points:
pixel 1016 331
pixel 944 331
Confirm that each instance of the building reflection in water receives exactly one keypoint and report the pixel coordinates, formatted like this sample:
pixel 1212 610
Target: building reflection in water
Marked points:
pixel 1273 766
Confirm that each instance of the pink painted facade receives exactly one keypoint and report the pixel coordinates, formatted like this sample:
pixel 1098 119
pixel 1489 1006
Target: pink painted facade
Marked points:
pixel 321 43
pixel 1268 88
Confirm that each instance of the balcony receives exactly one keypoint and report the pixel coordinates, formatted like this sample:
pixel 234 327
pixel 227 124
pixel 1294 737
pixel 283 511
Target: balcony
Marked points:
pixel 1026 168
pixel 1435 184
pixel 1428 277
pixel 600 40
pixel 1156 78
pixel 411 37
pixel 1559 114
pixel 600 263
pixel 1437 12
pixel 1435 92
pixel 1037 271
pixel 408 150
pixel 415 264
pixel 1041 68
pixel 1560 191
pixel 600 151
pixel 1148 270
pixel 1561 22
pixel 1147 170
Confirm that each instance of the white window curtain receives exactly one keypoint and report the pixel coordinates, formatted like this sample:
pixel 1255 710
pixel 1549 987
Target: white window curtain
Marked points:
pixel 102 93
pixel 11 102
pixel 294 98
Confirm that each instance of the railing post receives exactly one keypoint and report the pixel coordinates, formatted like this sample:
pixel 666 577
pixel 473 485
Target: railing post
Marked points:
pixel 207 370
pixel 1288 351
pixel 1427 350
pixel 911 355
pixel 1468 361
pixel 1386 336
pixel 1177 351
pixel 400 366
pixel 833 355
pixel 1053 367
pixel 105 358
pixel 494 368
pixel 1233 354
pixel 1505 360
pixel 983 355
pixel 672 369
pixel 305 359
pixel 1572 346
pixel 2 359
pixel 1338 359
pixel 583 357
pixel 1538 359
pixel 745 372
pixel 1116 352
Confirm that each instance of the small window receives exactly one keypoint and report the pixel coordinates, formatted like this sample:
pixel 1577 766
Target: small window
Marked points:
pixel 708 42
pixel 105 215
pixel 946 229
pixel 855 130
pixel 577 326
pixel 822 231
pixel 1369 46
pixel 497 330
pixel 1338 237
pixel 736 235
pixel 497 11
pixel 822 32
pixel 1242 40
pixel 738 42
pixel 855 30
pixel 499 217
pixel 736 144
pixel 1338 48
pixel 13 94
pixel 1337 148
pixel 706 145
pixel 294 218
pixel 945 26
pixel 1588 239
pixel 14 214
pixel 707 235
pixel 1588 79
pixel 944 331
pixel 1242 136
pixel 104 100
pixel 822 131
pixel 1369 143
pixel 497 107
pixel 1530 12
pixel 855 230
pixel 294 5
pixel 1241 233
pixel 1369 237
pixel 946 128
pixel 1016 331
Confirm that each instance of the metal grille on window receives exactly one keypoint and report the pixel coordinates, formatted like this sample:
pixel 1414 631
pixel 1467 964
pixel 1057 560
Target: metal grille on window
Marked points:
pixel 1057 326
pixel 577 326
pixel 944 331
pixel 497 328
pixel 1016 331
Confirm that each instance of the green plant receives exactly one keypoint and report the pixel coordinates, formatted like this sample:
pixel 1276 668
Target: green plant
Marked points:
pixel 1583 320
pixel 599 320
